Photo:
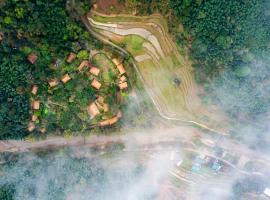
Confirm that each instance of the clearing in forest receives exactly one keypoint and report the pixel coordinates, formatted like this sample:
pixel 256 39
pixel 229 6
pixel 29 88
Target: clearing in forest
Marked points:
pixel 167 75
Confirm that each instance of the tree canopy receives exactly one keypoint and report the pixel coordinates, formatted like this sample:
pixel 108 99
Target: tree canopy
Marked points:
pixel 230 43
pixel 42 27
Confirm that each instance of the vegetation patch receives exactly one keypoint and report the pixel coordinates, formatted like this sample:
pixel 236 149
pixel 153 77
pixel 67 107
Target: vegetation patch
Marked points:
pixel 41 90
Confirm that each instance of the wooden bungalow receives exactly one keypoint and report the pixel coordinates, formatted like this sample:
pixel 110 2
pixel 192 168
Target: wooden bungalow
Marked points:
pixel 106 107
pixel 34 117
pixel 42 129
pixel 36 105
pixel 96 84
pixel 53 82
pixel 123 85
pixel 116 61
pixel 123 79
pixel 93 110
pixel 108 122
pixel 34 89
pixel 119 66
pixel 95 71
pixel 119 114
pixel 121 69
pixel 31 126
pixel 65 78
pixel 84 63
pixel 71 57
pixel 100 99
pixel 32 57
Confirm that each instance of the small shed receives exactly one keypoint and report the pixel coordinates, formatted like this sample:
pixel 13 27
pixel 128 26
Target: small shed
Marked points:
pixel 96 84
pixel 71 57
pixel 65 78
pixel 36 105
pixel 123 85
pixel 32 57
pixel 93 110
pixel 95 71
pixel 53 82
pixel 34 89
pixel 31 126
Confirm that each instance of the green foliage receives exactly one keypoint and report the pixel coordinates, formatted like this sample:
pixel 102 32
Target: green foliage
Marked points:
pixel 242 71
pixel 228 37
pixel 7 192
pixel 45 28
pixel 14 104
pixel 83 54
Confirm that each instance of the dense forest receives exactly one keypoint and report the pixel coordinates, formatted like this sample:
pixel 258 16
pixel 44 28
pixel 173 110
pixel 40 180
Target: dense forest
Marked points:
pixel 32 26
pixel 230 46
pixel 228 42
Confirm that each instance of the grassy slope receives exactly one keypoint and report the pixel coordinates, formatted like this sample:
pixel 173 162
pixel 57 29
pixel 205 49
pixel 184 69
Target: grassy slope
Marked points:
pixel 180 101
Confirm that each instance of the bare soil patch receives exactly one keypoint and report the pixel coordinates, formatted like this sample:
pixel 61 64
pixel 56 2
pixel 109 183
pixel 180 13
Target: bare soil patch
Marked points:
pixel 105 5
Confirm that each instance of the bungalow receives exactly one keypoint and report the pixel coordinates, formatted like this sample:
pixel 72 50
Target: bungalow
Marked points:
pixel 106 107
pixel 108 122
pixel 1 36
pixel 95 71
pixel 43 130
pixel 84 63
pixel 31 126
pixel 32 57
pixel 119 66
pixel 34 118
pixel 53 83
pixel 101 104
pixel 93 110
pixel 123 85
pixel 123 79
pixel 96 84
pixel 34 89
pixel 116 61
pixel 71 57
pixel 100 99
pixel 111 121
pixel 65 78
pixel 104 123
pixel 119 114
pixel 36 105
pixel 121 69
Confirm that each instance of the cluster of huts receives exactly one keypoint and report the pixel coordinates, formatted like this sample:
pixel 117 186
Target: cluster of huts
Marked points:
pixel 35 105
pixel 94 108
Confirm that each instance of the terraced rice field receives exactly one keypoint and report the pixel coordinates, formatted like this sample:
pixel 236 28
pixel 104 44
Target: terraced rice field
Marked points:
pixel 159 62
